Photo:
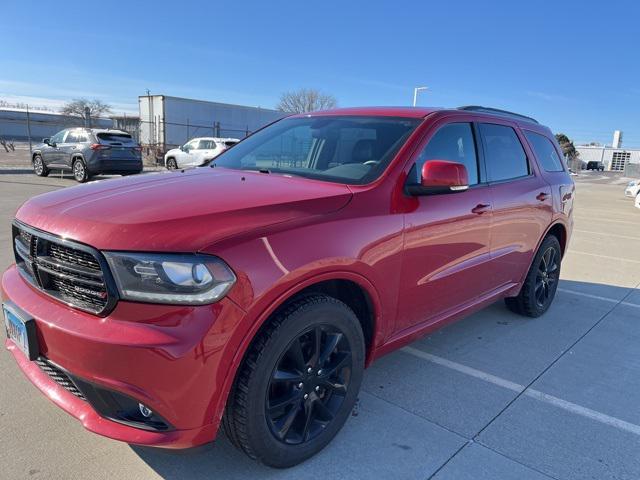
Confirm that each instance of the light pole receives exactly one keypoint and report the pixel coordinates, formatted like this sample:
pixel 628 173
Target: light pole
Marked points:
pixel 415 94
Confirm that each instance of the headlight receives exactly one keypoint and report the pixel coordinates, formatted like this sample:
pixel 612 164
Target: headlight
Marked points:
pixel 170 278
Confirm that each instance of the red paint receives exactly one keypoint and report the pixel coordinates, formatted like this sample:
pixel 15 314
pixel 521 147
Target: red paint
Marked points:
pixel 423 261
pixel 441 173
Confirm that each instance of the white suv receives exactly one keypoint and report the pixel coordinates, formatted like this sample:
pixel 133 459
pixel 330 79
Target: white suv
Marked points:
pixel 633 189
pixel 197 151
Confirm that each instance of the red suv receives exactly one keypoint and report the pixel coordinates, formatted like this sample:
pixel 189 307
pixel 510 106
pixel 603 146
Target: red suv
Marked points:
pixel 253 292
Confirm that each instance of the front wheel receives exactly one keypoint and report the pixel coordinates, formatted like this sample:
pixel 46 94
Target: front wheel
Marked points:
pixel 39 167
pixel 298 382
pixel 541 283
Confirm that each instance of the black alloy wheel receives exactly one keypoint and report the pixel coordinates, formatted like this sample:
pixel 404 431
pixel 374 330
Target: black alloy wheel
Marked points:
pixel 547 276
pixel 309 384
pixel 298 382
pixel 540 284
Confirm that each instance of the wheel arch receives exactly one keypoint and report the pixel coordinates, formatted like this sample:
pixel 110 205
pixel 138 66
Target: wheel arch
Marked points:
pixel 360 296
pixel 559 230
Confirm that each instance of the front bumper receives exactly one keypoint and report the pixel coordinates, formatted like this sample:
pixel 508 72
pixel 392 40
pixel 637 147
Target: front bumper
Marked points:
pixel 169 358
pixel 631 192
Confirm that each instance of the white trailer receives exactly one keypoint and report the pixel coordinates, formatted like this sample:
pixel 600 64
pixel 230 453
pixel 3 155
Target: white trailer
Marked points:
pixel 168 122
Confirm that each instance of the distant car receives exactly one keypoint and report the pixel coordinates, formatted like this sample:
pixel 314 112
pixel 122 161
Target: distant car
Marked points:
pixel 197 151
pixel 595 166
pixel 633 189
pixel 87 152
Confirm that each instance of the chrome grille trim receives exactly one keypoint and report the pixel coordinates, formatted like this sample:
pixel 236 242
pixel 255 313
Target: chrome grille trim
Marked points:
pixel 71 272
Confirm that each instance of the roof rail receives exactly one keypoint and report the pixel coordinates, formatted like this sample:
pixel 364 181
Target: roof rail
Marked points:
pixel 497 111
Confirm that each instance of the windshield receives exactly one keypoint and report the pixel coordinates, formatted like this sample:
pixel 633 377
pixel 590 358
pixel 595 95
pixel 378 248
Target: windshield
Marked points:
pixel 345 149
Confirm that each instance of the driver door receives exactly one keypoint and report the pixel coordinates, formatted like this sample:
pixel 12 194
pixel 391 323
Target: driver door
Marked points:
pixel 447 261
pixel 185 158
pixel 52 154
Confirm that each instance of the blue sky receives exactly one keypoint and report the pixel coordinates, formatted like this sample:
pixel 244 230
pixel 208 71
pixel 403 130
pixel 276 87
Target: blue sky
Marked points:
pixel 573 65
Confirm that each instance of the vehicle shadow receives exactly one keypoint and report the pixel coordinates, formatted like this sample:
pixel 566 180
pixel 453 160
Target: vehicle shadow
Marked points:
pixel 381 437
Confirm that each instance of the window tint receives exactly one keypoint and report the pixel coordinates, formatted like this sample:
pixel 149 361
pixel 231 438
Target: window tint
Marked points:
pixel 207 145
pixel 114 137
pixel 453 142
pixel 545 152
pixel 72 137
pixel 505 156
pixel 346 149
pixel 82 137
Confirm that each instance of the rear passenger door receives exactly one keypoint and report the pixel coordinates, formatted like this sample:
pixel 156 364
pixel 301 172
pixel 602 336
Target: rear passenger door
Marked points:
pixel 521 199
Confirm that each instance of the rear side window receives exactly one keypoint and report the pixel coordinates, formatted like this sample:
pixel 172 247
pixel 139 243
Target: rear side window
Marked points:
pixel 545 152
pixel 453 142
pixel 72 137
pixel 505 157
pixel 207 145
pixel 114 137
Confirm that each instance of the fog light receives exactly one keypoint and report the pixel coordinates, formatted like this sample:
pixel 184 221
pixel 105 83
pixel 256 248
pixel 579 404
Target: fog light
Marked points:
pixel 144 410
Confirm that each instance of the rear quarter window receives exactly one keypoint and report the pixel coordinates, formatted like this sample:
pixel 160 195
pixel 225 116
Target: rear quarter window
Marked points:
pixel 545 152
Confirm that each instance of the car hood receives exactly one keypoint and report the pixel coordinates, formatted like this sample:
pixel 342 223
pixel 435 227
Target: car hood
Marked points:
pixel 173 151
pixel 178 211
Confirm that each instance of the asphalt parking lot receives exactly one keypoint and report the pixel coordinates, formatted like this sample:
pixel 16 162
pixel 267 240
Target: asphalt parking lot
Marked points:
pixel 495 396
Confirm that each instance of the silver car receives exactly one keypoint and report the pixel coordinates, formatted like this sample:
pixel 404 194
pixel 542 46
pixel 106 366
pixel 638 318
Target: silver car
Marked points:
pixel 88 151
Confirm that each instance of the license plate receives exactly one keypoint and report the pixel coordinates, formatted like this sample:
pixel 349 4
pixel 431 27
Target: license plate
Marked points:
pixel 21 330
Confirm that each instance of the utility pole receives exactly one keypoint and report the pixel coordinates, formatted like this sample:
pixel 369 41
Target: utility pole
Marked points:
pixel 415 94
pixel 29 129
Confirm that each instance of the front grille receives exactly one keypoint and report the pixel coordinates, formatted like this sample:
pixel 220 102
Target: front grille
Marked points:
pixel 60 377
pixel 66 270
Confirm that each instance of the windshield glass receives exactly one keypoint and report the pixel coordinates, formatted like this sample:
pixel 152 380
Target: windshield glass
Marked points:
pixel 345 149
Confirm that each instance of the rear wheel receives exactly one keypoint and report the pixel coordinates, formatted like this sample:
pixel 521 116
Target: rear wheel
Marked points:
pixel 80 171
pixel 39 167
pixel 172 164
pixel 298 383
pixel 539 288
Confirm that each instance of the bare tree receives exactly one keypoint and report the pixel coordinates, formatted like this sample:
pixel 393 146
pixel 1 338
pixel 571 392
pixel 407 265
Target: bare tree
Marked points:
pixel 305 100
pixel 78 108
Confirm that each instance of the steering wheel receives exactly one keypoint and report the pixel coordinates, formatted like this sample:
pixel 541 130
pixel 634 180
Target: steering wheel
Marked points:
pixel 371 162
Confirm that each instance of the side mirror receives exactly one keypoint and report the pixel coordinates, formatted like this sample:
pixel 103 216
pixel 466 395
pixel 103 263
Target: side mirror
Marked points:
pixel 441 176
pixel 45 141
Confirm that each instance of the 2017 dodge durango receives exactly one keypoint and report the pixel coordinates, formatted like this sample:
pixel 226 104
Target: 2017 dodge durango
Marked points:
pixel 252 293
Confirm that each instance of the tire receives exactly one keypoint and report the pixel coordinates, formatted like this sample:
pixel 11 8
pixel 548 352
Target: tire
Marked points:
pixel 39 168
pixel 541 283
pixel 172 164
pixel 279 434
pixel 80 172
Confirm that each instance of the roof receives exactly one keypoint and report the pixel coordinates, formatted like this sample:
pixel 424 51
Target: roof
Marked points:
pixel 407 112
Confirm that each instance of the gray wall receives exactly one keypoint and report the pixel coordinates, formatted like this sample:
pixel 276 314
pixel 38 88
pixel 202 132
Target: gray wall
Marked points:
pixel 13 124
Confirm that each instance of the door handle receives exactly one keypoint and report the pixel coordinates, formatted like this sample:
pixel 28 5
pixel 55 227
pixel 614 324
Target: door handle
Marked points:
pixel 542 196
pixel 480 208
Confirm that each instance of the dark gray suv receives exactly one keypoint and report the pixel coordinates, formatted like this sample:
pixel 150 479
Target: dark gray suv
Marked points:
pixel 87 152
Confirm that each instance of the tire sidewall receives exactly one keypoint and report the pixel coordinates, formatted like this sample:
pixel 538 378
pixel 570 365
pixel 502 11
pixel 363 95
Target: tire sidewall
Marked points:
pixel 550 241
pixel 267 448
pixel 43 172
pixel 85 177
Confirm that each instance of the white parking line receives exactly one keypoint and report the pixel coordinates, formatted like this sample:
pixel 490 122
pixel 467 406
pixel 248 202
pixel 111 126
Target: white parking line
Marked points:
pixel 628 237
pixel 532 393
pixel 606 220
pixel 598 297
pixel 609 257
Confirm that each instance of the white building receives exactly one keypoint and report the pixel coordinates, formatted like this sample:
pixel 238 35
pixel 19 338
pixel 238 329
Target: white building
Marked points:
pixel 615 159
